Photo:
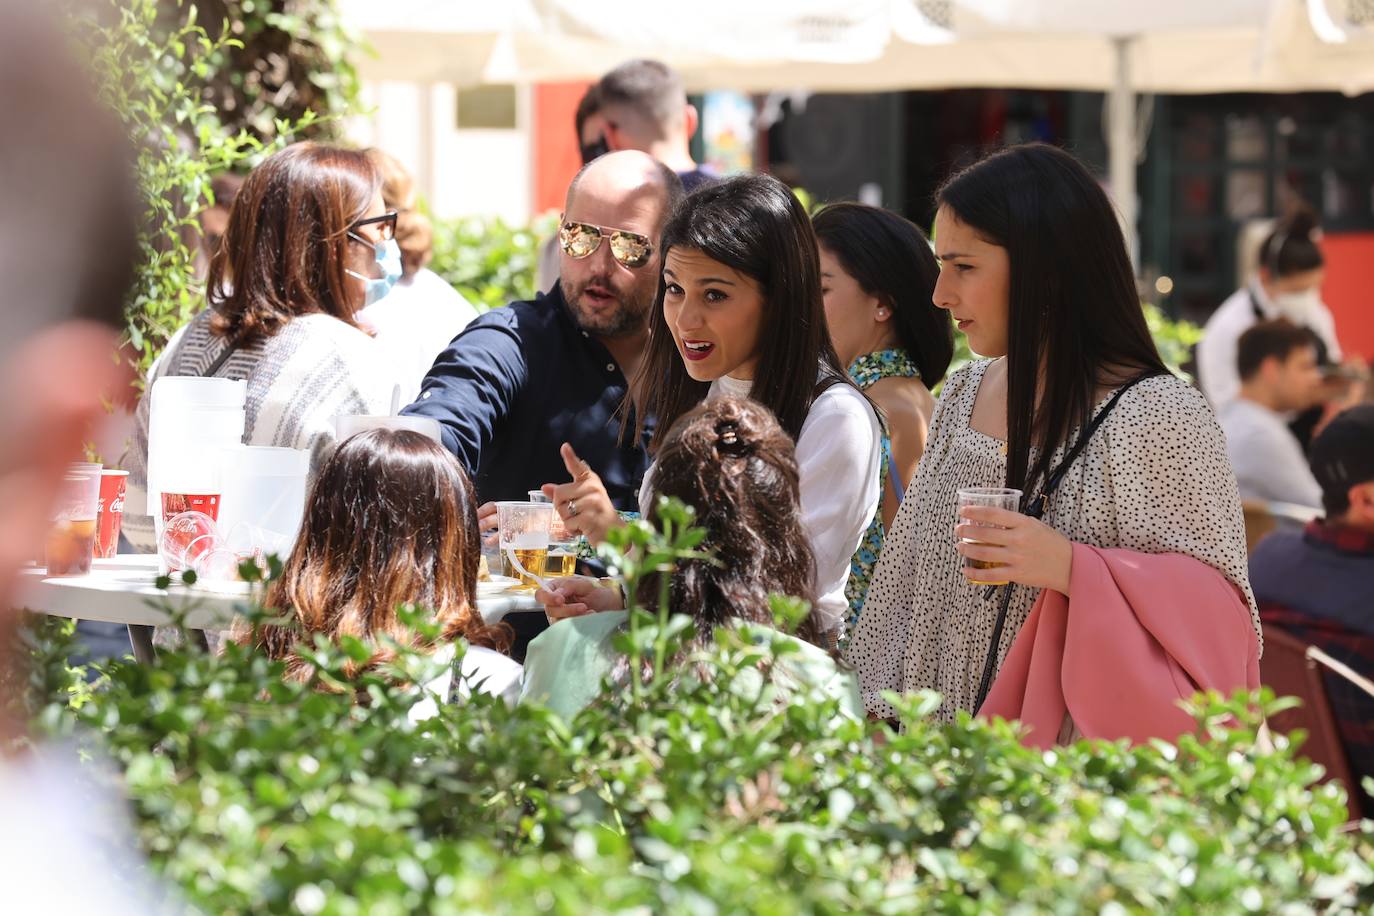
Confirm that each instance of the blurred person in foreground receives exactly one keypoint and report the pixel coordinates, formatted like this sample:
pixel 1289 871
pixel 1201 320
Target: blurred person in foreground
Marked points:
pixel 1318 584
pixel 67 253
pixel 422 313
pixel 731 461
pixel 309 245
pixel 1277 363
pixel 419 546
pixel 640 105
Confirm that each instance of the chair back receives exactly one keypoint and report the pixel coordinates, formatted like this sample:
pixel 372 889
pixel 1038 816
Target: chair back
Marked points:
pixel 1289 668
pixel 1259 522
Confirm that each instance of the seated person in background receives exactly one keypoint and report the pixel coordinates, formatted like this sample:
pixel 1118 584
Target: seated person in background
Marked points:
pixel 1277 361
pixel 391 521
pixel 422 313
pixel 730 460
pixel 1319 584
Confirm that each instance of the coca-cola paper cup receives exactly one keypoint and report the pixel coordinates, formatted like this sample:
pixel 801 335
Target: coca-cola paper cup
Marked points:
pixel 110 512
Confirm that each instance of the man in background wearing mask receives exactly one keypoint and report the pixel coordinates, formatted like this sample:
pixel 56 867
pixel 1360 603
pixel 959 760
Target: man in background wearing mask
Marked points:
pixel 640 105
pixel 66 252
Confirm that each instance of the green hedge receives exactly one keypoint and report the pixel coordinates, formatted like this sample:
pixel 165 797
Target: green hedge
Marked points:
pixel 488 260
pixel 687 796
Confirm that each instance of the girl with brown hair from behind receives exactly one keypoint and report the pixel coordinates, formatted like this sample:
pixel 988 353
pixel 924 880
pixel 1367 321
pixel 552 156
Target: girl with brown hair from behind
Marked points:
pixel 391 521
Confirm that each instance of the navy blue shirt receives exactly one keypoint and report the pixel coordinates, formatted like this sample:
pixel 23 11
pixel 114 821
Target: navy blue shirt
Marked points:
pixel 1324 572
pixel 518 383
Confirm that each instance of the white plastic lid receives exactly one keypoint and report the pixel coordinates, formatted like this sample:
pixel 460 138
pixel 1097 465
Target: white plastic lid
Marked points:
pixel 174 391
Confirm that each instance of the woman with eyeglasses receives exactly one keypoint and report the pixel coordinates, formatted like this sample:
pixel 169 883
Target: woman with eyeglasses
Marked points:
pixel 740 312
pixel 309 243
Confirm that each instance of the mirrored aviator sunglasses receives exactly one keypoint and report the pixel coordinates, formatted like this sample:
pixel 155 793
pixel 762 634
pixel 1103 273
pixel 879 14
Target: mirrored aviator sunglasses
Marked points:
pixel 581 240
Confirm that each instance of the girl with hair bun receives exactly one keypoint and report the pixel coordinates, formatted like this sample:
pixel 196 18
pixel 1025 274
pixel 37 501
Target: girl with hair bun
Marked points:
pixel 734 464
pixel 1286 285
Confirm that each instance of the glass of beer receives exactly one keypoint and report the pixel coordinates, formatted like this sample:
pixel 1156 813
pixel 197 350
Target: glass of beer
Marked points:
pixel 71 541
pixel 996 498
pixel 563 544
pixel 523 532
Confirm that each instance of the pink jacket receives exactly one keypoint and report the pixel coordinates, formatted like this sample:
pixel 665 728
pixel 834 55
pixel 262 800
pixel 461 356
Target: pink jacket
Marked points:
pixel 1141 632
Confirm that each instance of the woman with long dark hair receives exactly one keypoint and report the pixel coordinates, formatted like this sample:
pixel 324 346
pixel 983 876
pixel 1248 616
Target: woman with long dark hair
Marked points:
pixel 728 458
pixel 740 312
pixel 878 279
pixel 1123 462
pixel 309 244
pixel 391 521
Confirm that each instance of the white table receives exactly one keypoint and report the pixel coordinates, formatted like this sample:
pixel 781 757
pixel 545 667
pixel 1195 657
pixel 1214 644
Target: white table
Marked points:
pixel 122 590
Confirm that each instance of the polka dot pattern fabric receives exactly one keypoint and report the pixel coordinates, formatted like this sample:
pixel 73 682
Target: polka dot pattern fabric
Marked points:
pixel 1154 478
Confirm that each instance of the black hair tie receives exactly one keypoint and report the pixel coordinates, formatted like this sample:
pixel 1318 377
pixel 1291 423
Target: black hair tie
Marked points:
pixel 728 441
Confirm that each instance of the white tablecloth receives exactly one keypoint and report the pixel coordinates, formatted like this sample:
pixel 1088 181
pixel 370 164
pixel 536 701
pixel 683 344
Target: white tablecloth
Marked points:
pixel 121 590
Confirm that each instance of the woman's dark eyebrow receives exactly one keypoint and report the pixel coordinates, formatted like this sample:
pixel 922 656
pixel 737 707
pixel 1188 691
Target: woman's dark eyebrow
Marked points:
pixel 668 272
pixel 954 255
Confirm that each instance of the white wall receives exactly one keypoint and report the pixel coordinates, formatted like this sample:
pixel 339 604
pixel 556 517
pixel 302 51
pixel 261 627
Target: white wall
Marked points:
pixel 459 172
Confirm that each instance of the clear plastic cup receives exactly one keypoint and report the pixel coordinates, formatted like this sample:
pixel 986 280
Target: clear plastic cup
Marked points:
pixel 563 544
pixel 995 498
pixel 523 533
pixel 71 541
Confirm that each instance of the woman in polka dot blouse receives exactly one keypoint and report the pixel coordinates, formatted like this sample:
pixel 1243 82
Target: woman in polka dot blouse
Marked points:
pixel 1034 270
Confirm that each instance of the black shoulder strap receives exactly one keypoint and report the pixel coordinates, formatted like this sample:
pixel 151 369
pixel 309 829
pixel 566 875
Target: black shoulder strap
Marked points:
pixel 1036 509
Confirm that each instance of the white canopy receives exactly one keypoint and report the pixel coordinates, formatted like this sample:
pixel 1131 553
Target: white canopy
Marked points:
pixel 1117 46
pixel 1175 46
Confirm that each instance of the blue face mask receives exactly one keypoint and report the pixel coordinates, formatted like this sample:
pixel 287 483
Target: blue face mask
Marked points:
pixel 388 255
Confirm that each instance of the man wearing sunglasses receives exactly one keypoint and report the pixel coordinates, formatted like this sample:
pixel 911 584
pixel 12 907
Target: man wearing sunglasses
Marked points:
pixel 523 379
pixel 641 105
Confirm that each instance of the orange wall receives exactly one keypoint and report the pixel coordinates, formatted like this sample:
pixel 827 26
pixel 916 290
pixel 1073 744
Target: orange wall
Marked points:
pixel 556 154
pixel 1349 289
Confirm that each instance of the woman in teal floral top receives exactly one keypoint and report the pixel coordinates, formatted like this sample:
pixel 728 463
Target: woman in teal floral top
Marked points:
pixel 878 276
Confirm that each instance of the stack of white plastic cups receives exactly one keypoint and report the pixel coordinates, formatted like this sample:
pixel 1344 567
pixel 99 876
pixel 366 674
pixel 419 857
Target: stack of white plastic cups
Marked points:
pixel 192 423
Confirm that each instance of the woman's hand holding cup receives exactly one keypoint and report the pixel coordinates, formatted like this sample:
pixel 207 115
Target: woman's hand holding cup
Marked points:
pixel 1024 550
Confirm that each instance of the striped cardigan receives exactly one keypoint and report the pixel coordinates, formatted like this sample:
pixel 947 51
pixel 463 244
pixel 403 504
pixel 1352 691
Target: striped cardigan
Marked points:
pixel 314 369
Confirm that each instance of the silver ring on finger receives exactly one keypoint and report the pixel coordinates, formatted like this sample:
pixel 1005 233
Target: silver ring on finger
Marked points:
pixel 572 507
